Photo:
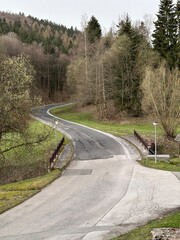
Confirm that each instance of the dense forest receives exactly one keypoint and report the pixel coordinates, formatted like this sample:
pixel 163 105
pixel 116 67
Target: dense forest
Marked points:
pixel 48 45
pixel 126 71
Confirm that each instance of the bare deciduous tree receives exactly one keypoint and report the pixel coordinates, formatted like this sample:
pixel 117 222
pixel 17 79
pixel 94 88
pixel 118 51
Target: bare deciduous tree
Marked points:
pixel 161 89
pixel 16 83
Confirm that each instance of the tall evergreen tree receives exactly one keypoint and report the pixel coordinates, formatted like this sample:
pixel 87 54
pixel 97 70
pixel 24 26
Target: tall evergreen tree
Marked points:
pixel 166 32
pixel 178 19
pixel 125 26
pixel 129 96
pixel 93 30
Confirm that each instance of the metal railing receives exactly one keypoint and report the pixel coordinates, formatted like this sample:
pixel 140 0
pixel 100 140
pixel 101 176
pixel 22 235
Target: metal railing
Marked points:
pixel 147 145
pixel 56 151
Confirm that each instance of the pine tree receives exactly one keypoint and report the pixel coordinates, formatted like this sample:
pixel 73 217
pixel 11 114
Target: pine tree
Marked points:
pixel 178 44
pixel 131 91
pixel 134 34
pixel 93 30
pixel 125 26
pixel 166 32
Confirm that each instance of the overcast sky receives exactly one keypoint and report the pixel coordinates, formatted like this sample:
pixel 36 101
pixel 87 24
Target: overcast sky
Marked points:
pixel 70 12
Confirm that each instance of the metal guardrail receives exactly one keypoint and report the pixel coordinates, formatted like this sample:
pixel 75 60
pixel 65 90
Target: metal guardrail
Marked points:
pixel 149 146
pixel 56 151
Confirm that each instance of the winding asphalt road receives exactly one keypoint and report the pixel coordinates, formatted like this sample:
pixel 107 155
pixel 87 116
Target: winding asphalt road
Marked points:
pixel 89 144
pixel 104 192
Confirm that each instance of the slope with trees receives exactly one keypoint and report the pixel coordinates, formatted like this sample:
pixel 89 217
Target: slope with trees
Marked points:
pixel 112 72
pixel 49 46
pixel 161 83
pixel 108 67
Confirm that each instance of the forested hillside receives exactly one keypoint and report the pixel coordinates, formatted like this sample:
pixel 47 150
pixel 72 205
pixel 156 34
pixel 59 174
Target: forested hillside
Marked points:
pixel 48 44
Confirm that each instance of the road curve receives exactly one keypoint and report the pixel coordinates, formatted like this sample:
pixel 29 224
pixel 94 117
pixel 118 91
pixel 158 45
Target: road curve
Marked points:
pixel 103 193
pixel 89 144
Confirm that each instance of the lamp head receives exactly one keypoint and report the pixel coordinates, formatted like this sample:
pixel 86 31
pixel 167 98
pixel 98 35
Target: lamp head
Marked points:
pixel 155 123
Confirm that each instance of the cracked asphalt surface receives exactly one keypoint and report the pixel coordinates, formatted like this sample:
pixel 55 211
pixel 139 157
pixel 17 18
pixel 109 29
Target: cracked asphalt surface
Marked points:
pixel 104 192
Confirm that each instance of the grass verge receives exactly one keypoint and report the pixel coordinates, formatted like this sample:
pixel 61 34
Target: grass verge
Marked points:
pixel 15 193
pixel 117 128
pixel 173 166
pixel 144 232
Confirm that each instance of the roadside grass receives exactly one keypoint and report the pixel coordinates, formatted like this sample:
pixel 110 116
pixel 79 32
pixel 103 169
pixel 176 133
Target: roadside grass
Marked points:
pixel 15 193
pixel 119 129
pixel 173 165
pixel 171 220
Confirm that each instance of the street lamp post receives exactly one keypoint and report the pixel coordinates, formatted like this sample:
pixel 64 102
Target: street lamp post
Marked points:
pixel 155 141
pixel 177 139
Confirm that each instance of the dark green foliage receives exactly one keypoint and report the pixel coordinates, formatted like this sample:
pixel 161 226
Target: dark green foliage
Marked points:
pixel 178 44
pixel 125 26
pixel 166 32
pixel 4 27
pixel 128 78
pixel 93 30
